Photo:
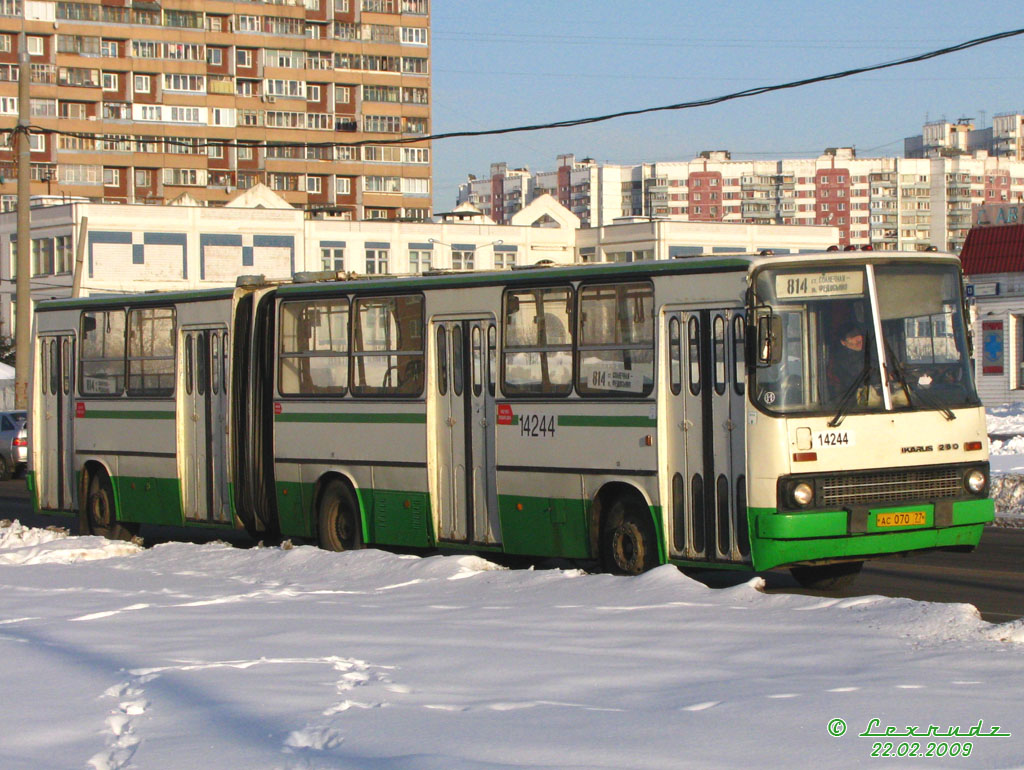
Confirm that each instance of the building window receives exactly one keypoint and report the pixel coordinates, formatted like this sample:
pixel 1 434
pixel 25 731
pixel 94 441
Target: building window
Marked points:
pixel 35 45
pixel 143 177
pixel 463 259
pixel 111 177
pixel 313 184
pixel 332 258
pixel 419 260
pixel 214 56
pixel 343 185
pixel 110 81
pixel 62 254
pixel 42 256
pixel 243 57
pixel 142 84
pixel 377 261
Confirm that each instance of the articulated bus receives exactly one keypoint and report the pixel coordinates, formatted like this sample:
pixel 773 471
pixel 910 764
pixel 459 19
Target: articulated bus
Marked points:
pixel 685 412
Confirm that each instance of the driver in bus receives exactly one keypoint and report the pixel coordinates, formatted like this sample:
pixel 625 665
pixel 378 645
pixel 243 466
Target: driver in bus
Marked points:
pixel 847 359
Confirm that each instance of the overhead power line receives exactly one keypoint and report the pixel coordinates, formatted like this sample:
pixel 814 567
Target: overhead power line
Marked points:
pixel 744 94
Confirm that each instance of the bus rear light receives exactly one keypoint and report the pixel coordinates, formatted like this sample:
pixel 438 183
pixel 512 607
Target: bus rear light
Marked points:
pixel 973 446
pixel 20 441
pixel 805 457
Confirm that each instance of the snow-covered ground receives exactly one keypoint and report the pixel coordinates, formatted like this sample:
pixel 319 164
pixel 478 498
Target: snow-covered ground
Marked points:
pixel 188 656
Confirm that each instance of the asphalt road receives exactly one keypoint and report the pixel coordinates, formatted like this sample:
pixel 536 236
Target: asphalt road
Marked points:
pixel 991 578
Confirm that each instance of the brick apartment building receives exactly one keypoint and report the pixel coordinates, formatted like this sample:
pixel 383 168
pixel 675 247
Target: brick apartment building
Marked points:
pixel 151 83
pixel 909 203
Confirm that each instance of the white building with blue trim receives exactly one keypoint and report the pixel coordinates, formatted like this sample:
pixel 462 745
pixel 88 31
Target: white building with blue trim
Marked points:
pixel 186 245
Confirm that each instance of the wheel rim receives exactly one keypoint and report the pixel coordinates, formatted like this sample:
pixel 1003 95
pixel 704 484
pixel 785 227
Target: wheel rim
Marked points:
pixel 99 510
pixel 342 525
pixel 627 548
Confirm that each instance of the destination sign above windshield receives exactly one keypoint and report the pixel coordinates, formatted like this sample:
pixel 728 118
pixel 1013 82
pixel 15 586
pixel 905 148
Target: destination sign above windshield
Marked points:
pixel 832 283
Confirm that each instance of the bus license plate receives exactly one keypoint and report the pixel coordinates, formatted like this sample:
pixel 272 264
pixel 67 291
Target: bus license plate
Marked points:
pixel 901 519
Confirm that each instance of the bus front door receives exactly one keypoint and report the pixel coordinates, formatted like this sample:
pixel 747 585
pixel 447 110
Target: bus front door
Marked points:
pixel 56 378
pixel 203 450
pixel 463 480
pixel 705 466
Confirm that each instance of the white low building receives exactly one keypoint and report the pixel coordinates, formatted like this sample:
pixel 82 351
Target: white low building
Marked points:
pixel 185 245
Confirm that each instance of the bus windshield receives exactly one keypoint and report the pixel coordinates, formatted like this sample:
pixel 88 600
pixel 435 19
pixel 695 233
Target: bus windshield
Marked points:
pixel 830 326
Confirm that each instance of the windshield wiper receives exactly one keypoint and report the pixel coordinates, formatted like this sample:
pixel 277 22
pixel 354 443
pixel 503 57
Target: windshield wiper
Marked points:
pixel 925 401
pixel 858 382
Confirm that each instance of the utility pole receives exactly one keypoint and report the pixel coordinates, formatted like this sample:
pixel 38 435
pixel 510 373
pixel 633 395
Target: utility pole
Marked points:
pixel 23 285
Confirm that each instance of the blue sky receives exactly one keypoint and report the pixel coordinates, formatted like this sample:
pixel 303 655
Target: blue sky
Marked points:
pixel 499 64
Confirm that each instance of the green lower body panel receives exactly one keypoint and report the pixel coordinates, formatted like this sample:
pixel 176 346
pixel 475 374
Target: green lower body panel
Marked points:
pixel 294 506
pixel 544 526
pixel 148 500
pixel 788 538
pixel 394 517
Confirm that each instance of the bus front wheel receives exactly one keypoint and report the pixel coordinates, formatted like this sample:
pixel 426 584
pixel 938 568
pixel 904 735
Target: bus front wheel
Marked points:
pixel 827 577
pixel 338 518
pixel 628 542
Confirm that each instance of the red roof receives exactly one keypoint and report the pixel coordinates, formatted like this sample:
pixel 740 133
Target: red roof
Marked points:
pixel 994 250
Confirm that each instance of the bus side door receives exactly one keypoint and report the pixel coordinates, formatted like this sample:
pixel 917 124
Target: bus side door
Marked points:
pixel 56 387
pixel 705 459
pixel 203 448
pixel 463 480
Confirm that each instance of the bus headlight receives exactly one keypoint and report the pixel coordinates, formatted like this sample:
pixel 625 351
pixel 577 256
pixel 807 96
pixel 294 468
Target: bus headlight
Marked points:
pixel 802 494
pixel 976 481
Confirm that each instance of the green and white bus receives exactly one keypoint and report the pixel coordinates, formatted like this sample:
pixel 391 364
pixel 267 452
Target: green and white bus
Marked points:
pixel 682 412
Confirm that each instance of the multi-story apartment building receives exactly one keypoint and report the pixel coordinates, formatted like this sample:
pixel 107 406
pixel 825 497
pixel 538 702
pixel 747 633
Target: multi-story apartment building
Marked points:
pixel 161 97
pixel 887 203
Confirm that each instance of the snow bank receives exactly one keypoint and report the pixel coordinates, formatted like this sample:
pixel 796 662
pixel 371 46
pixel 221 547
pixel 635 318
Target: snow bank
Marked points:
pixel 24 545
pixel 186 656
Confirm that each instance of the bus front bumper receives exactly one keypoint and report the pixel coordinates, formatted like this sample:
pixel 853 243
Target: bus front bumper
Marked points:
pixel 793 538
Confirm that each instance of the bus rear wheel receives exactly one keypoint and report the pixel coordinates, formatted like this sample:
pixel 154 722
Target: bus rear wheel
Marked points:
pixel 628 542
pixel 100 511
pixel 338 518
pixel 827 577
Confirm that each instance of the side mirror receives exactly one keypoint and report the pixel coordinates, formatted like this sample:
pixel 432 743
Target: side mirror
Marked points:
pixel 769 339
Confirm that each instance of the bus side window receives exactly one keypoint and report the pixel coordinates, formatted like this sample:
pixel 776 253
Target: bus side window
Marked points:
pixel 215 362
pixel 492 359
pixel 693 351
pixel 202 363
pixel 675 356
pixel 442 361
pixel 457 364
pixel 66 367
pixel 739 329
pixel 478 361
pixel 719 355
pixel 54 368
pixel 188 364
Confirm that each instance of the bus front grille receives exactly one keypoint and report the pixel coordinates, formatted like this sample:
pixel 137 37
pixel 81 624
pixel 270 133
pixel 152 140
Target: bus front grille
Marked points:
pixel 891 486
